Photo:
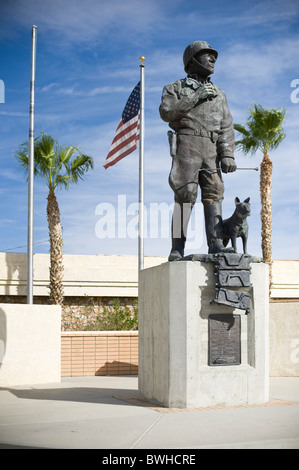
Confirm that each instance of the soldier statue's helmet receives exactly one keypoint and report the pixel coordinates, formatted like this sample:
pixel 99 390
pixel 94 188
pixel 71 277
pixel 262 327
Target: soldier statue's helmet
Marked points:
pixel 193 49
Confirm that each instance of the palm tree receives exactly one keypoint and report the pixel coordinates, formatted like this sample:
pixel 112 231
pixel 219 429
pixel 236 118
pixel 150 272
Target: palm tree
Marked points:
pixel 59 167
pixel 264 132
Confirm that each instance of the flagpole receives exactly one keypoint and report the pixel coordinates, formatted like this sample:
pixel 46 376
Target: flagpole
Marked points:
pixel 141 170
pixel 31 174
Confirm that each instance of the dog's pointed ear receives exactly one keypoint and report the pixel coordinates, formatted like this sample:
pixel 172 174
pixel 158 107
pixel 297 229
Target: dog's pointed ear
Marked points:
pixel 247 200
pixel 237 200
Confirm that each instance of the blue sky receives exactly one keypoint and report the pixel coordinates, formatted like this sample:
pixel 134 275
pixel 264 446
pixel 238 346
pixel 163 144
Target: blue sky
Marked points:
pixel 87 64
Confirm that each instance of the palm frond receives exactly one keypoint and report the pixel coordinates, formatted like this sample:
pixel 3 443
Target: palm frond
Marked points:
pixel 242 129
pixel 263 129
pixel 65 153
pixel 277 140
pixel 77 167
pixel 58 166
pixel 22 157
pixel 63 180
pixel 82 163
pixel 248 145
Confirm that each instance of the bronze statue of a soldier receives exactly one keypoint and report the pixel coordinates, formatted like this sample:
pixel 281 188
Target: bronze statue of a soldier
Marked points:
pixel 201 144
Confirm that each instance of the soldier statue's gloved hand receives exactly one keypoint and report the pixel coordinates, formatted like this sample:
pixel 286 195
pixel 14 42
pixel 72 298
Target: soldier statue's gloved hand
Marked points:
pixel 228 165
pixel 205 92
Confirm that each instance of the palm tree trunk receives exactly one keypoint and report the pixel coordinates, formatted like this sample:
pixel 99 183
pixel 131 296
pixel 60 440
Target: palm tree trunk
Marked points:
pixel 266 211
pixel 56 243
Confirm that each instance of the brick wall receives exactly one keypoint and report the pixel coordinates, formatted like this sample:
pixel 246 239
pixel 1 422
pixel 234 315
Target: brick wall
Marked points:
pixel 99 353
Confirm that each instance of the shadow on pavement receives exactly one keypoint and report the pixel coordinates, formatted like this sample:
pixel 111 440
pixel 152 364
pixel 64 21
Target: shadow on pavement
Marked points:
pixel 76 394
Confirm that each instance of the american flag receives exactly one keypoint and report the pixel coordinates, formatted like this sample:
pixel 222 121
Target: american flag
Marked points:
pixel 127 132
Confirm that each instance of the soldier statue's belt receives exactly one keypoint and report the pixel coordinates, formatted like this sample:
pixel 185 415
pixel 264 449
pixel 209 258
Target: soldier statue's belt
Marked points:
pixel 199 132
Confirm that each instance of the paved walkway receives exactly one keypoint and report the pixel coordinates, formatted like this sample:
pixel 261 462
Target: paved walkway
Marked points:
pixel 104 413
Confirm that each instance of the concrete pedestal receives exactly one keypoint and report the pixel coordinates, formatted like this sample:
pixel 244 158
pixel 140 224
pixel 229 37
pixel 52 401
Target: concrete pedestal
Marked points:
pixel 174 310
pixel 30 338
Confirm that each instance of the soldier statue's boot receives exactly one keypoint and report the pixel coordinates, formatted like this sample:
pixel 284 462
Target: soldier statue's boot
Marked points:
pixel 180 220
pixel 177 248
pixel 214 229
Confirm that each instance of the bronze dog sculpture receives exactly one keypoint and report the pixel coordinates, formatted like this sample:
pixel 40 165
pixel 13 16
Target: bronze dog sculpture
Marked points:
pixel 236 225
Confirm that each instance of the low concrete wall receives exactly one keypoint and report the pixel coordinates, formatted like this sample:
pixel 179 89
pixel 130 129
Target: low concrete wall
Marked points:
pixel 284 339
pixel 29 344
pixel 285 279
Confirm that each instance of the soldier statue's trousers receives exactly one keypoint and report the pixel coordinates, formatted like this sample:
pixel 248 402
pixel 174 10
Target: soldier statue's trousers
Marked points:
pixel 193 153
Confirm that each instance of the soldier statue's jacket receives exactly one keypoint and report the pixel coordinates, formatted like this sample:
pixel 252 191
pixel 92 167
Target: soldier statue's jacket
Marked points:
pixel 185 115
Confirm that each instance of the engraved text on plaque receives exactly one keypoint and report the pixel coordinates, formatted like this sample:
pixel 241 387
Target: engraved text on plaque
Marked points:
pixel 224 339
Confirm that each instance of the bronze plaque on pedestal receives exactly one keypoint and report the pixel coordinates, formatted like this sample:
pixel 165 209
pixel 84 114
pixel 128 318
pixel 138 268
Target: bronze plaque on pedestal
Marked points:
pixel 224 339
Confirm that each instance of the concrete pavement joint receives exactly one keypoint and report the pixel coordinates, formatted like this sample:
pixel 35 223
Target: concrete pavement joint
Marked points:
pixel 146 432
